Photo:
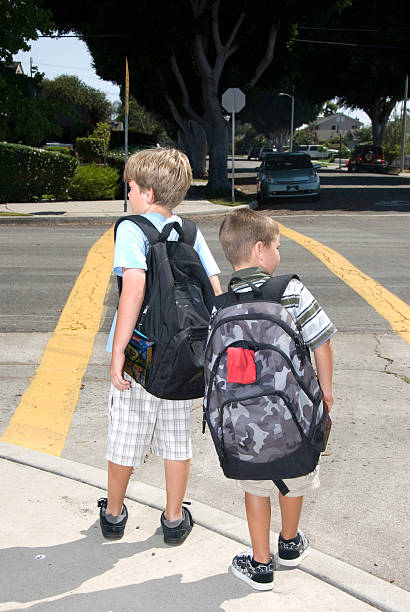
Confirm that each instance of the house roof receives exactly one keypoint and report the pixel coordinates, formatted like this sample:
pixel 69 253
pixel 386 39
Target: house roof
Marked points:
pixel 320 120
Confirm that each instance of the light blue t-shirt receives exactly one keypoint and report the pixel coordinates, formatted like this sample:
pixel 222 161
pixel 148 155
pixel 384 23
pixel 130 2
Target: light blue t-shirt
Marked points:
pixel 131 248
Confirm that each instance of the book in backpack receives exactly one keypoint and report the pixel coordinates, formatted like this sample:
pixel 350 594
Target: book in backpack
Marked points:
pixel 262 403
pixel 166 351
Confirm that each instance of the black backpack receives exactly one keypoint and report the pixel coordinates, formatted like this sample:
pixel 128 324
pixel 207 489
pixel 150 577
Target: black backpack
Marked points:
pixel 167 355
pixel 262 403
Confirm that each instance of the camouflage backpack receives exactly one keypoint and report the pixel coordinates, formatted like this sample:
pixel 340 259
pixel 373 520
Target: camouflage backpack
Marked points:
pixel 262 401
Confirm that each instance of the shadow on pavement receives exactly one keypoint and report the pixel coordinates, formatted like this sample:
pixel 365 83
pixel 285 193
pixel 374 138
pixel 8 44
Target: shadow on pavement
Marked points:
pixel 163 593
pixel 66 567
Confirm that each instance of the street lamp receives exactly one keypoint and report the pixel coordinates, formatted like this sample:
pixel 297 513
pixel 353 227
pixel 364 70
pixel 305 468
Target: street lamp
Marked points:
pixel 292 112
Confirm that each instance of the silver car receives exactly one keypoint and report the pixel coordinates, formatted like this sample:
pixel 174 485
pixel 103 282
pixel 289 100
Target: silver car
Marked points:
pixel 287 175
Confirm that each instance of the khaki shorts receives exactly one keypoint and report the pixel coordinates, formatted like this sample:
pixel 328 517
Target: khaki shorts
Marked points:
pixel 297 486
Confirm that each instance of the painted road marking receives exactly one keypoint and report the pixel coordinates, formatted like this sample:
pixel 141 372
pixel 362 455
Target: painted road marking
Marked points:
pixel 42 418
pixel 388 305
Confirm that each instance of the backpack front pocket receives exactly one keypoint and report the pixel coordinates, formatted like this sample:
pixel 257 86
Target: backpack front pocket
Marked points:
pixel 260 429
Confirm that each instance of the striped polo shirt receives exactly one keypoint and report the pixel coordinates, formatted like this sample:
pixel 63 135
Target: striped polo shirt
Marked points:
pixel 310 318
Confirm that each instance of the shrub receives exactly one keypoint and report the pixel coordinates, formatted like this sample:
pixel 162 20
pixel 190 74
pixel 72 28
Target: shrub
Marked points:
pixel 92 182
pixel 90 149
pixel 103 131
pixel 28 173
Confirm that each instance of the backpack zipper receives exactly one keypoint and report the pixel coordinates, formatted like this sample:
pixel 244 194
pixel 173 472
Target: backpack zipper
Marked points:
pixel 300 344
pixel 257 347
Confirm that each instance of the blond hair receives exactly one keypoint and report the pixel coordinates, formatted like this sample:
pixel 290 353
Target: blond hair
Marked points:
pixel 166 171
pixel 241 230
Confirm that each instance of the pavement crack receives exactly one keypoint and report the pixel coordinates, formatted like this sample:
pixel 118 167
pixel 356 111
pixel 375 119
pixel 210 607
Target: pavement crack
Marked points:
pixel 388 362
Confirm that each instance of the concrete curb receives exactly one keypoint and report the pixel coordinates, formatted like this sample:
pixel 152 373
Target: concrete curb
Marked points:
pixel 361 585
pixel 45 220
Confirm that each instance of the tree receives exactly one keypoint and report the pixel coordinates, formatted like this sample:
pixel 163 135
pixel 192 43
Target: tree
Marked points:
pixel 186 59
pixel 330 108
pixel 270 114
pixel 365 60
pixel 142 119
pixel 392 139
pixel 80 106
pixel 24 118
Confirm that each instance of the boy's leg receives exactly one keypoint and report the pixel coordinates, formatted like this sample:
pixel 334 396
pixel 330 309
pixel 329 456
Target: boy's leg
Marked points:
pixel 290 509
pixel 118 477
pixel 176 479
pixel 258 512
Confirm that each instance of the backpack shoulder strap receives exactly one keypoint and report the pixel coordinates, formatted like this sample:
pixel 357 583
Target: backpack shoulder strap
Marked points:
pixel 190 231
pixel 274 287
pixel 149 229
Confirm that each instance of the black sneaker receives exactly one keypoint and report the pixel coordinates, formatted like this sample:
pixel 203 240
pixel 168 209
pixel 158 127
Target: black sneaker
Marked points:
pixel 292 552
pixel 259 577
pixel 112 531
pixel 176 535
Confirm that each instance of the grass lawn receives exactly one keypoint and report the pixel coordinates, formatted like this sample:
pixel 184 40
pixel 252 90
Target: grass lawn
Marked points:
pixel 224 198
pixel 13 214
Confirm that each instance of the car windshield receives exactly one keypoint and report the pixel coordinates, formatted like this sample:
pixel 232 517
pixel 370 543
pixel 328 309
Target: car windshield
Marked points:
pixel 294 162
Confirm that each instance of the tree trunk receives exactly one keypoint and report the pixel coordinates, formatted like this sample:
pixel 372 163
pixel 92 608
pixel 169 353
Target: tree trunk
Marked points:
pixel 217 137
pixel 379 114
pixel 192 140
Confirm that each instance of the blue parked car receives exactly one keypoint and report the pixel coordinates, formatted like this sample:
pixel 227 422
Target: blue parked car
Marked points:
pixel 287 175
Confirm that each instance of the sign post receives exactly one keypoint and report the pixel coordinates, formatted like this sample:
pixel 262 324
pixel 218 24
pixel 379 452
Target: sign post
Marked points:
pixel 127 99
pixel 233 101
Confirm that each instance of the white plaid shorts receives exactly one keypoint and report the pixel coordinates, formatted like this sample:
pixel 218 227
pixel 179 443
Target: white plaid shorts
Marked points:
pixel 138 420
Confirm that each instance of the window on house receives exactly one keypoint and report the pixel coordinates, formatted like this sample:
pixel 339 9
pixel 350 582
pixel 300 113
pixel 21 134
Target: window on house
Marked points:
pixel 333 127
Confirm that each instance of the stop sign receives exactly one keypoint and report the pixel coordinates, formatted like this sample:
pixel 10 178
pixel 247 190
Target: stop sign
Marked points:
pixel 233 100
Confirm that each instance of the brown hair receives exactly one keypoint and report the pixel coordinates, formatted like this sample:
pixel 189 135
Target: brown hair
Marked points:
pixel 166 171
pixel 241 230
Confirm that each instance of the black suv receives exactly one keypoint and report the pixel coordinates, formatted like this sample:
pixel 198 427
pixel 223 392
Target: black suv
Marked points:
pixel 367 157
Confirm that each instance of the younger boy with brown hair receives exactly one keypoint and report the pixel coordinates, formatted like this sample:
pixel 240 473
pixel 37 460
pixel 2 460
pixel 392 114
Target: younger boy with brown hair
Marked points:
pixel 159 180
pixel 251 244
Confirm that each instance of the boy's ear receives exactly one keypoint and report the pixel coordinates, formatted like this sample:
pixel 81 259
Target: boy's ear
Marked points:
pixel 258 249
pixel 149 195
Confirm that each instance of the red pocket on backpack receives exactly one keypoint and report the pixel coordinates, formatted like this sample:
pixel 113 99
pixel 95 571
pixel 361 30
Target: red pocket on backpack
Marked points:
pixel 241 365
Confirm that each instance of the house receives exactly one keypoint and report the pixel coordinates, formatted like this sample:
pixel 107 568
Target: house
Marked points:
pixel 332 126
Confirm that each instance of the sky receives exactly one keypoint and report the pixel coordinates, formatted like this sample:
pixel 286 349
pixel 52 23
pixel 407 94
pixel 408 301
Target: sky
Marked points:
pixel 65 56
pixel 71 56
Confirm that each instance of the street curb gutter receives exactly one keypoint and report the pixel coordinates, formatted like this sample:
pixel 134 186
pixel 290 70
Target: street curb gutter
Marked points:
pixel 356 582
pixel 57 220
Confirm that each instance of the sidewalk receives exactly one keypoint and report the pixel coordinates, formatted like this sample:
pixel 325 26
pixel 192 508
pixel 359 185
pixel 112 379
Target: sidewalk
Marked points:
pixel 103 212
pixel 54 558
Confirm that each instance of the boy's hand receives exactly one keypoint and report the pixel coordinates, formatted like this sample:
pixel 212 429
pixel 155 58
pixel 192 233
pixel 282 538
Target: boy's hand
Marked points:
pixel 117 368
pixel 328 401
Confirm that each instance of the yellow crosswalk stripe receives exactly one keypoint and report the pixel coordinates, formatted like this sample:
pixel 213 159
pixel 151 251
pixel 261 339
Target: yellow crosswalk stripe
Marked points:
pixel 42 418
pixel 388 305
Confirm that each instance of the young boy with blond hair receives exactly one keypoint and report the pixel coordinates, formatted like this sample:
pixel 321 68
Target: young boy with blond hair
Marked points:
pixel 159 180
pixel 251 244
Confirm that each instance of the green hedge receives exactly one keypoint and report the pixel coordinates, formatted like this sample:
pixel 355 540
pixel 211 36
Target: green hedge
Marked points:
pixel 28 173
pixel 92 182
pixel 91 149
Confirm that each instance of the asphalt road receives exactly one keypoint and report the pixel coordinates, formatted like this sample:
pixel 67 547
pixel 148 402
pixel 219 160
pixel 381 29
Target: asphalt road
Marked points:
pixel 340 190
pixel 360 513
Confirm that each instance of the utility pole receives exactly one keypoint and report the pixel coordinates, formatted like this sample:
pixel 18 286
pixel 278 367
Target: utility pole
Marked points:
pixel 404 118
